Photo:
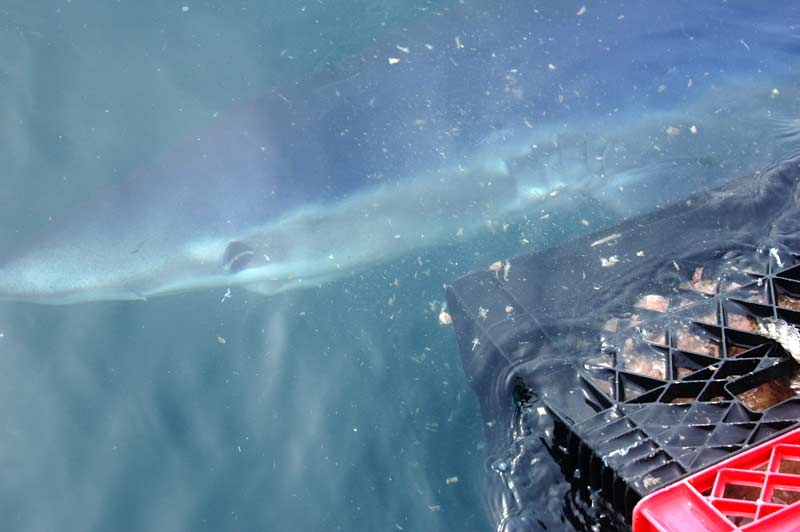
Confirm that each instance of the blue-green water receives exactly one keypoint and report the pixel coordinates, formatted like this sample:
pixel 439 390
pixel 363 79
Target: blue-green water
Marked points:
pixel 342 407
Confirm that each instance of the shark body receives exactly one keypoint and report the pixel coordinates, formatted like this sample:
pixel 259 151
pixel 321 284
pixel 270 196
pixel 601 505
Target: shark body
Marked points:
pixel 421 141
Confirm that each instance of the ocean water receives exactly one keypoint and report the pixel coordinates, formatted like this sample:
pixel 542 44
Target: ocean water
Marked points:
pixel 344 406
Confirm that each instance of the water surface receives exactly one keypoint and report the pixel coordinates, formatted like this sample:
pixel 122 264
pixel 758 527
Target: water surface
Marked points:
pixel 337 408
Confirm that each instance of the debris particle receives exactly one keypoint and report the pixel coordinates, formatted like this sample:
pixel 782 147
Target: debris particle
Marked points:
pixel 744 43
pixel 483 313
pixel 610 261
pixel 434 507
pixel 226 296
pixel 640 253
pixel 221 340
pixel 391 301
pixel 495 267
pixel 650 481
pixel 509 309
pixel 775 93
pixel 662 88
pixel 554 193
pixel 605 240
pixel 404 49
pixel 552 67
pixel 185 9
pixel 689 83
pixel 451 480
pixel 581 11
pixel 475 343
pixel 693 129
pixel 393 60
pixel 506 269
pixel 545 216
pixel 585 222
pixel 505 228
pixel 460 231
pixel 459 45
pixel 672 132
pixel 445 318
pixel 774 254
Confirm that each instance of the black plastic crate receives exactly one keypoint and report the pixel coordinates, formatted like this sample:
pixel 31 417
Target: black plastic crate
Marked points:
pixel 646 342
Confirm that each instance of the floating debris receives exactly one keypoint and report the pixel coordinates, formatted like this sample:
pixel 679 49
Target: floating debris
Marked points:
pixel 483 312
pixel 610 261
pixel 445 319
pixel 775 93
pixel 693 129
pixel 221 340
pixel 581 11
pixel 451 480
pixel 605 240
pixel 774 254
pixel 404 49
pixel 551 67
pixel 509 309
pixel 393 60
pixel 673 132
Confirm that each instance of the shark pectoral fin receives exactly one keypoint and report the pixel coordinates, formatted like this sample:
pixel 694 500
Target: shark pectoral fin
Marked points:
pixel 237 256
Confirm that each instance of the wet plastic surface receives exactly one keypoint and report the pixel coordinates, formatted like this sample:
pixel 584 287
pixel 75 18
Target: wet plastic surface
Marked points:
pixel 757 490
pixel 654 365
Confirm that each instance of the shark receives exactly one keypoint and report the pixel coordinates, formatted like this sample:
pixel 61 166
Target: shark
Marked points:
pixel 423 137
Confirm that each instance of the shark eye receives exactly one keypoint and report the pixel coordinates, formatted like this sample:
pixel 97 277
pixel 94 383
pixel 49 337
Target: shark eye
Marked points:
pixel 237 256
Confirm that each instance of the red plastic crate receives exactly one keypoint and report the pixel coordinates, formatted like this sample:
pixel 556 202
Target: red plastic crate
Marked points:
pixel 756 490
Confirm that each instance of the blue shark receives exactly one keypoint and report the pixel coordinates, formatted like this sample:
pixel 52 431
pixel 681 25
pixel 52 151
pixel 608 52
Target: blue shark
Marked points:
pixel 435 133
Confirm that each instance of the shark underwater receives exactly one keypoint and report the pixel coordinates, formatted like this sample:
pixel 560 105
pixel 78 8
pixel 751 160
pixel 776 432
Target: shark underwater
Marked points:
pixel 472 115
